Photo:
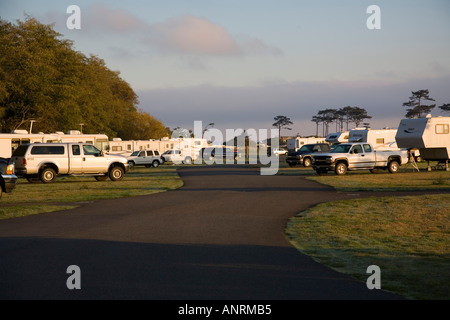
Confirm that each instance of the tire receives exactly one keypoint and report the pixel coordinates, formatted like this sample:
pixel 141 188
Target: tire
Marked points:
pixel 393 166
pixel 116 173
pixel 307 162
pixel 101 178
pixel 155 164
pixel 341 169
pixel 47 175
pixel 132 164
pixel 1 192
pixel 187 160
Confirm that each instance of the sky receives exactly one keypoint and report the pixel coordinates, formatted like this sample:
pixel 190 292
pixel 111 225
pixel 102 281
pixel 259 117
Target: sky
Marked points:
pixel 239 64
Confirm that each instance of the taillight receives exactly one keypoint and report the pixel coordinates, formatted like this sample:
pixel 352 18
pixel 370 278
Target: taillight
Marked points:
pixel 10 169
pixel 24 162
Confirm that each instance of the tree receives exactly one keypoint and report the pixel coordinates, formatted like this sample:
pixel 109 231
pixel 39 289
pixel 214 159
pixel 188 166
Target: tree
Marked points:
pixel 445 107
pixel 358 115
pixel 43 78
pixel 282 122
pixel 416 108
pixel 327 116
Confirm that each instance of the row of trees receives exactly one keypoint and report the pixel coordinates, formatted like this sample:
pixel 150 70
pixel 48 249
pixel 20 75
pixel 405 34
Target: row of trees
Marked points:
pixel 345 115
pixel 43 78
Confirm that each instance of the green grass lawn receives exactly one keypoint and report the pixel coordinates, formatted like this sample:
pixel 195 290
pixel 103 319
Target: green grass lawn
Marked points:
pixel 70 190
pixel 407 237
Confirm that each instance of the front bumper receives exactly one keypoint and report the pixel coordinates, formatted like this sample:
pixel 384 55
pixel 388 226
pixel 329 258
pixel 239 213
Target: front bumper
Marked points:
pixel 10 182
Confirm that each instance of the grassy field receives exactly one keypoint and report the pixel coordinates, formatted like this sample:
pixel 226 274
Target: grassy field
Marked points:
pixel 407 237
pixel 65 192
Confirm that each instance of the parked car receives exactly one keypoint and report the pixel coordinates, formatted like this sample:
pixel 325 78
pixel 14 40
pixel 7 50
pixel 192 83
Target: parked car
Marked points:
pixel 8 179
pixel 279 152
pixel 303 156
pixel 45 161
pixel 359 156
pixel 177 156
pixel 147 158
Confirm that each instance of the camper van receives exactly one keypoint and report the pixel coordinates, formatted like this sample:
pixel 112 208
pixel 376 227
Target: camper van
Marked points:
pixel 380 139
pixel 430 135
pixel 10 141
pixel 294 144
pixel 336 138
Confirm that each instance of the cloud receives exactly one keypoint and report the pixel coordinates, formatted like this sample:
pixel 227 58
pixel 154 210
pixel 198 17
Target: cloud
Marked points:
pixel 192 35
pixel 104 18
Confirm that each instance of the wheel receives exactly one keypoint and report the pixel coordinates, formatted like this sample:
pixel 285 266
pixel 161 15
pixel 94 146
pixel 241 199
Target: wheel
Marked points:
pixel 47 175
pixel 132 164
pixel 155 164
pixel 376 170
pixel 307 162
pixel 418 159
pixel 101 178
pixel 116 173
pixel 393 166
pixel 188 160
pixel 1 192
pixel 341 169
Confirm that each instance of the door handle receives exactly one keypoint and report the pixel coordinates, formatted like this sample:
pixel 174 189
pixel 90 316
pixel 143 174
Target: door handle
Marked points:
pixel 84 159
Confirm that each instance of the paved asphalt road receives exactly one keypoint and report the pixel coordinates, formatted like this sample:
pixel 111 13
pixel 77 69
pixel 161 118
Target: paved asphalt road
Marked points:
pixel 220 236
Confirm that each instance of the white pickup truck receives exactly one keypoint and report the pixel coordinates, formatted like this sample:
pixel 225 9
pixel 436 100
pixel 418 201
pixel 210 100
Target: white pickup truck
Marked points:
pixel 45 161
pixel 359 156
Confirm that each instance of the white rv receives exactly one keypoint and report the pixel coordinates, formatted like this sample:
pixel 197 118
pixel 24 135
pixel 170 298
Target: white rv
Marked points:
pixel 337 138
pixel 430 135
pixel 10 141
pixel 295 144
pixel 380 139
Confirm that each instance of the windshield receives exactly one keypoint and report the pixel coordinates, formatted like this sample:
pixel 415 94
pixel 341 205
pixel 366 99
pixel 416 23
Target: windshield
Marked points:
pixel 306 148
pixel 134 153
pixel 168 152
pixel 342 148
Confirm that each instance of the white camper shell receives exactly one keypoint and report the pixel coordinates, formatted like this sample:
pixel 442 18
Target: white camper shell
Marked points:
pixel 380 139
pixel 295 144
pixel 337 138
pixel 430 135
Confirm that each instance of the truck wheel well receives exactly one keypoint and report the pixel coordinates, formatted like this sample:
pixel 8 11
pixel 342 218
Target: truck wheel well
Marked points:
pixel 116 164
pixel 2 184
pixel 50 165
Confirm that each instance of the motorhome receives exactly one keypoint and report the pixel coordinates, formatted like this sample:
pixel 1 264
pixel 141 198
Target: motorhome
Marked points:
pixel 380 139
pixel 10 141
pixel 294 144
pixel 430 135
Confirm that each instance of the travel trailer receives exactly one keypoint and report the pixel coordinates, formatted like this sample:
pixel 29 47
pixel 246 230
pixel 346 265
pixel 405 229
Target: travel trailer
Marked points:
pixel 10 141
pixel 430 135
pixel 127 147
pixel 379 139
pixel 295 144
pixel 337 138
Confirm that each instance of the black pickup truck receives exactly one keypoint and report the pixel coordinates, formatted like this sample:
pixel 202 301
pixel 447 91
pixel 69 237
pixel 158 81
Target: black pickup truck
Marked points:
pixel 303 155
pixel 8 179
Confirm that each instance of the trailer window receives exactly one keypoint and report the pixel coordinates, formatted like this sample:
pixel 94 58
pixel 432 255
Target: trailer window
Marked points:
pixel 442 129
pixel 380 141
pixel 116 148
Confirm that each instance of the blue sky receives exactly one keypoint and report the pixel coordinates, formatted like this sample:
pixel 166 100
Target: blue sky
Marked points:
pixel 241 63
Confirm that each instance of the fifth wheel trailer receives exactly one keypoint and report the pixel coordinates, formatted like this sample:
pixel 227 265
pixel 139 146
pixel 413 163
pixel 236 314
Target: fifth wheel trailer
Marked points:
pixel 430 135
